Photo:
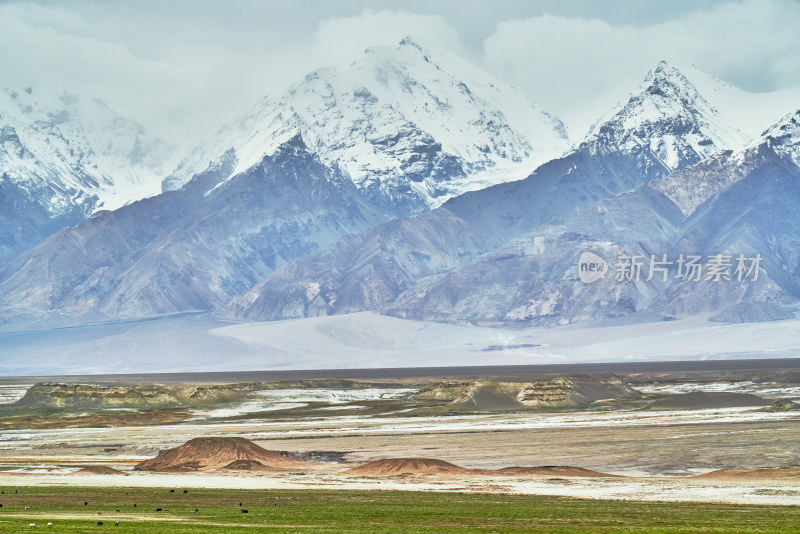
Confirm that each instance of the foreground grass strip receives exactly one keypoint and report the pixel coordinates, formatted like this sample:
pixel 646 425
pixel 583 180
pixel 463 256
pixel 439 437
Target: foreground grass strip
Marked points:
pixel 74 509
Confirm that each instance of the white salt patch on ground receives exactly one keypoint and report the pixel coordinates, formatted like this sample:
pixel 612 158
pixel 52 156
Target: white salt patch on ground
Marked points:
pixel 286 399
pixel 648 489
pixel 766 390
pixel 11 393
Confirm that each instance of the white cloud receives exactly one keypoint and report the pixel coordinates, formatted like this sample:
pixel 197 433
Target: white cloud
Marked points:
pixel 185 67
pixel 579 67
pixel 183 74
pixel 342 38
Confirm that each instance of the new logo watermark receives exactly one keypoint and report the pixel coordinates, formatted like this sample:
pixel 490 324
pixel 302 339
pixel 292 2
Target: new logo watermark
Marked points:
pixel 591 267
pixel 685 267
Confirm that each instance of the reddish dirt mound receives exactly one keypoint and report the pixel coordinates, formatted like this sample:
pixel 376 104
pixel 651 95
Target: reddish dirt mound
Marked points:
pixel 551 470
pixel 407 466
pixel 204 454
pixel 762 473
pixel 98 470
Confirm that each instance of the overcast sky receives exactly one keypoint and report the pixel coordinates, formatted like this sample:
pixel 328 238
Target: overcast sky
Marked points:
pixel 185 67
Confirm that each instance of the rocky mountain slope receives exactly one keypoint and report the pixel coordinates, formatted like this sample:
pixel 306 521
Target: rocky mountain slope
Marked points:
pixel 266 230
pixel 754 215
pixel 186 250
pixel 507 253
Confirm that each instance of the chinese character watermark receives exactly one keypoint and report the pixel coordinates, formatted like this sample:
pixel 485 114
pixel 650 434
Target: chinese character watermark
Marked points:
pixel 686 267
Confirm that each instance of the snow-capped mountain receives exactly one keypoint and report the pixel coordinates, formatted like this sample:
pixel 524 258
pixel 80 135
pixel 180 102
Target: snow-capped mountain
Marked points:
pixel 743 203
pixel 747 112
pixel 669 119
pixel 63 158
pixel 661 174
pixel 452 263
pixel 719 109
pixel 411 128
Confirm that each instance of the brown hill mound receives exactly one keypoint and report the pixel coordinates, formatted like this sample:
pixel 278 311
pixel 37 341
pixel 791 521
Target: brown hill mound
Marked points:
pixel 760 473
pixel 551 470
pixel 98 470
pixel 203 454
pixel 407 466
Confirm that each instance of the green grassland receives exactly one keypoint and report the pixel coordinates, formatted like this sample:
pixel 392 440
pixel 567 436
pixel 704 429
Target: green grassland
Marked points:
pixel 362 511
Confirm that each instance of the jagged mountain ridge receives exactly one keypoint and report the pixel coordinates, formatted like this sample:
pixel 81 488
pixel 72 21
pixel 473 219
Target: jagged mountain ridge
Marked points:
pixel 399 266
pixel 410 127
pixel 186 250
pixel 754 214
pixel 505 253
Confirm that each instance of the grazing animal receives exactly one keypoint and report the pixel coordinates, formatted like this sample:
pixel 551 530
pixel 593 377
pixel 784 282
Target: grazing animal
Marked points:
pixel 99 523
pixel 1 505
pixel 85 503
pixel 158 509
pixel 186 491
pixel 31 524
pixel 245 511
pixel 195 510
pixel 27 508
pixel 116 523
pixel 49 525
pixel 134 505
pixel 172 491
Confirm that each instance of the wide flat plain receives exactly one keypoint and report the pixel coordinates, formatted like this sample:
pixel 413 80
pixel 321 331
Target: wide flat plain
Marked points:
pixel 367 511
pixel 656 453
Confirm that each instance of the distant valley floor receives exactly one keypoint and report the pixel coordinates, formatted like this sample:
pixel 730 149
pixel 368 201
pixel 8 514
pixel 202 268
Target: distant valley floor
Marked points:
pixel 194 343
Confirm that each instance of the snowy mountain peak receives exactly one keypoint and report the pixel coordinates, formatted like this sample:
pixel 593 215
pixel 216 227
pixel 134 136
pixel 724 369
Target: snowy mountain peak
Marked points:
pixel 668 117
pixel 409 41
pixel 668 81
pixel 784 137
pixel 411 128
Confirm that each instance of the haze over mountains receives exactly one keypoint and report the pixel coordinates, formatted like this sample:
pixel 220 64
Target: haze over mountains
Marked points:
pixel 389 186
pixel 63 158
